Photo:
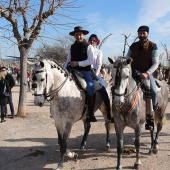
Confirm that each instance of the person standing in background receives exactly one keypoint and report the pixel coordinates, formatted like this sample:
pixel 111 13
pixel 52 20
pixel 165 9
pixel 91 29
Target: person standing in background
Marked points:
pixel 4 88
pixel 28 80
pixel 11 83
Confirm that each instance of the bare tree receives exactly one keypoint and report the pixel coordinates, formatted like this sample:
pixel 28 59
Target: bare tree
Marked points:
pixel 25 21
pixel 166 51
pixel 104 40
pixel 58 51
pixel 160 57
pixel 125 43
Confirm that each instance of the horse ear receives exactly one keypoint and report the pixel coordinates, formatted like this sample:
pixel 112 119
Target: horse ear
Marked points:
pixel 111 60
pixel 129 60
pixel 41 64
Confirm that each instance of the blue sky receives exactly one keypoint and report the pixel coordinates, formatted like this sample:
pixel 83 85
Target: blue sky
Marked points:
pixel 121 17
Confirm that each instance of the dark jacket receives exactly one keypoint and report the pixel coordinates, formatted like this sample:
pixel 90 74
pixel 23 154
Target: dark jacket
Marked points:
pixel 142 55
pixel 10 81
pixel 79 53
pixel 3 99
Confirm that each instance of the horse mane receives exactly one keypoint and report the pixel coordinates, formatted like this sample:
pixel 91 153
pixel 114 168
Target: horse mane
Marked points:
pixel 55 64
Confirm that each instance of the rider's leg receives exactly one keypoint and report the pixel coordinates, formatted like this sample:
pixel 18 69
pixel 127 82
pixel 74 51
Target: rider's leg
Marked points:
pixel 154 93
pixel 149 124
pixel 91 95
pixel 105 97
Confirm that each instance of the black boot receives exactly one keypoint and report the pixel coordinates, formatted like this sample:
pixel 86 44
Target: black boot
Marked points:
pixel 149 125
pixel 106 100
pixel 2 117
pixel 91 104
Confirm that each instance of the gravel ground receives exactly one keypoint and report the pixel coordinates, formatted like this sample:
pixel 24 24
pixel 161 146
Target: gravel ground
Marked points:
pixel 31 143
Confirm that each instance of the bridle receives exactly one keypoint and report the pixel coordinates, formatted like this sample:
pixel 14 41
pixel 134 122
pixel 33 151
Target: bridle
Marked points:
pixel 117 85
pixel 49 96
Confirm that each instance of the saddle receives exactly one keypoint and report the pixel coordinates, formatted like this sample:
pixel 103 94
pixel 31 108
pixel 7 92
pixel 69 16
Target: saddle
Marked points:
pixel 81 83
pixel 142 85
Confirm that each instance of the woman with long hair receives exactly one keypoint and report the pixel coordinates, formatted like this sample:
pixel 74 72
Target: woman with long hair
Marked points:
pixel 97 64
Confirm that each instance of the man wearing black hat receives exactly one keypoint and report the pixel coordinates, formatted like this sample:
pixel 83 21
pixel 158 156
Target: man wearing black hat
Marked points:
pixel 145 61
pixel 81 57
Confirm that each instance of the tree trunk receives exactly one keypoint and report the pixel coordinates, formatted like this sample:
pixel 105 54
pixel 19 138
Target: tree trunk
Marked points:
pixel 23 82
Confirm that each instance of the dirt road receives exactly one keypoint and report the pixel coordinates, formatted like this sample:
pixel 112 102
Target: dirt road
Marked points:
pixel 31 143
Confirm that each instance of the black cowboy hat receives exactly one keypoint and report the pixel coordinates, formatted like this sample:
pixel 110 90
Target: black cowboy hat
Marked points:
pixel 78 29
pixel 143 28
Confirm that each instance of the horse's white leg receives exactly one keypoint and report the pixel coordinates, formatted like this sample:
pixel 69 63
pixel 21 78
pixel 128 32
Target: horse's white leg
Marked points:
pixel 87 127
pixel 107 125
pixel 137 146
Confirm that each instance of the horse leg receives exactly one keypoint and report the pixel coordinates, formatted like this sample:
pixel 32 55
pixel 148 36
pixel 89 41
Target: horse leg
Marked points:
pixel 87 127
pixel 62 140
pixel 107 125
pixel 119 134
pixel 152 141
pixel 155 143
pixel 137 146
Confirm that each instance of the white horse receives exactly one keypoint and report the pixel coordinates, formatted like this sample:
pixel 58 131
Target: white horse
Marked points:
pixel 129 108
pixel 67 103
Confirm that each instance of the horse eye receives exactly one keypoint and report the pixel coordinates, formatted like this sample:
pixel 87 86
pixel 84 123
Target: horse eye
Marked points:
pixel 127 77
pixel 42 79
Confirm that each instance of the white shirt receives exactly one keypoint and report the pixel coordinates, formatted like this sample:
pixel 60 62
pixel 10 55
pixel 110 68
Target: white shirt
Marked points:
pixel 97 60
pixel 87 62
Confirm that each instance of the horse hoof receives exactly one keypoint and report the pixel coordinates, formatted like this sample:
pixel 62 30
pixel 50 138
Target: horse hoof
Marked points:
pixel 59 168
pixel 137 166
pixel 150 152
pixel 75 156
pixel 107 148
pixel 119 168
pixel 155 151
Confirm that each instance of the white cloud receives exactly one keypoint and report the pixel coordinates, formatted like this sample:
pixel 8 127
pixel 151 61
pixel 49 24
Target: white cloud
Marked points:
pixel 152 11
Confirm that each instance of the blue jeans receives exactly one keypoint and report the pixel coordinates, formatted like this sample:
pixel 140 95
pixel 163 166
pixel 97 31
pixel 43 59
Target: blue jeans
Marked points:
pixel 89 81
pixel 10 104
pixel 153 90
pixel 101 81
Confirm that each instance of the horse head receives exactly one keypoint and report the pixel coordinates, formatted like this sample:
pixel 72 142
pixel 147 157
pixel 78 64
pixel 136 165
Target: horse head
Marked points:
pixel 42 81
pixel 120 79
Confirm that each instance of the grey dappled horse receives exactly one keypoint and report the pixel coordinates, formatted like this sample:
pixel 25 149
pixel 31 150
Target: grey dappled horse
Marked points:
pixel 129 108
pixel 66 105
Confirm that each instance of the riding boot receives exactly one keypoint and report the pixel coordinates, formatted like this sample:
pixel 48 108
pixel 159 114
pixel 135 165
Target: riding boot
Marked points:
pixel 106 100
pixel 91 104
